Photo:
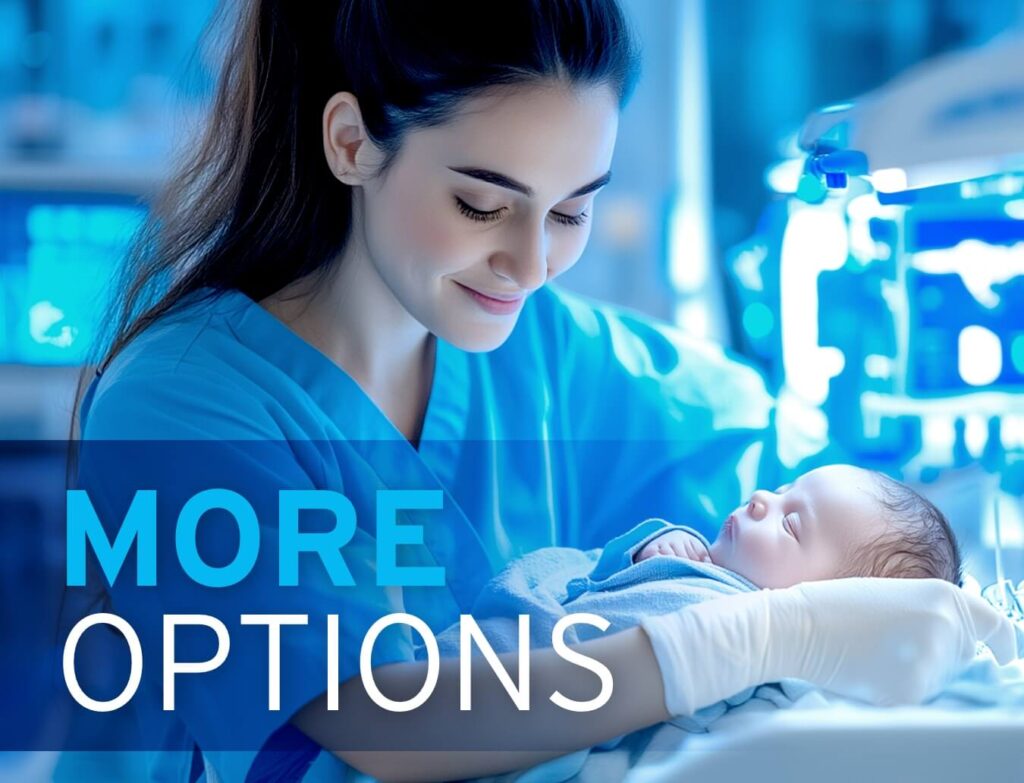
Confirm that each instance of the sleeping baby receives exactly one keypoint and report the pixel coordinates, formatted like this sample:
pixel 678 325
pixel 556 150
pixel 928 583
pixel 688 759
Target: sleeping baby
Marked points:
pixel 832 522
pixel 836 521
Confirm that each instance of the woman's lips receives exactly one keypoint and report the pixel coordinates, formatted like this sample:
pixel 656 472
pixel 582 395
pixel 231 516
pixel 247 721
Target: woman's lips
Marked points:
pixel 493 303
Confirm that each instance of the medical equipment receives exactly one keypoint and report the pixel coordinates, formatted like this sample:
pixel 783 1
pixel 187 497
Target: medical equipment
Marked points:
pixel 887 291
pixel 959 195
pixel 845 310
pixel 1002 594
pixel 959 119
pixel 58 253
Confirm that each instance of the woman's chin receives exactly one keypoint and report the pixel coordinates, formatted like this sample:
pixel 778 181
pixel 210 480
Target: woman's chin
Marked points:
pixel 476 337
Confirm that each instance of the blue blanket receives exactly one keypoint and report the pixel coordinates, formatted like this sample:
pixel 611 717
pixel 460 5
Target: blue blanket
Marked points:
pixel 553 582
pixel 550 583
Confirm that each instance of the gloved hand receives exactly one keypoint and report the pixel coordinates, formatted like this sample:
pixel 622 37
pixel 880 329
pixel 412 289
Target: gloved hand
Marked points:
pixel 885 641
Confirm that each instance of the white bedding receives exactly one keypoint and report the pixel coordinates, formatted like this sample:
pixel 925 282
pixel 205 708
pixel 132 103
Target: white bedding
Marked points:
pixel 974 731
pixel 842 744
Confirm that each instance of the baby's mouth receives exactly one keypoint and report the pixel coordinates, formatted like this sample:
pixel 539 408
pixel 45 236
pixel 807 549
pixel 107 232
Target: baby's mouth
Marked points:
pixel 728 527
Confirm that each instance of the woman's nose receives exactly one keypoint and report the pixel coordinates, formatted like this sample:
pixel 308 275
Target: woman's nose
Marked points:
pixel 526 263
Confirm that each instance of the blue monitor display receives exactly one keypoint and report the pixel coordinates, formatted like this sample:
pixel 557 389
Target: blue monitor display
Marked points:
pixel 59 252
pixel 941 309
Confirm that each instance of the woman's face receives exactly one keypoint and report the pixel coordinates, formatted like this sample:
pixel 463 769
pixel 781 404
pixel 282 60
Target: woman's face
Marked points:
pixel 476 214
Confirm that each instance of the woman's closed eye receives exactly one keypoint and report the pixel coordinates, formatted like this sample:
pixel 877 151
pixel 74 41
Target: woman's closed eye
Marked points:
pixel 488 216
pixel 570 220
pixel 480 215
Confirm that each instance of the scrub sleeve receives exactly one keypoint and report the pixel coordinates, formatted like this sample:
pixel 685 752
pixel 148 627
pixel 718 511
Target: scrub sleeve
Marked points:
pixel 224 712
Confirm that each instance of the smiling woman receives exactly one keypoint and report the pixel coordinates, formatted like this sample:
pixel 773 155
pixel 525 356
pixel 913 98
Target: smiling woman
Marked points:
pixel 490 205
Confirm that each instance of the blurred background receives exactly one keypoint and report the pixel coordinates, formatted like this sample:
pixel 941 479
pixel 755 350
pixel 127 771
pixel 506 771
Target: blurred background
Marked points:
pixel 868 260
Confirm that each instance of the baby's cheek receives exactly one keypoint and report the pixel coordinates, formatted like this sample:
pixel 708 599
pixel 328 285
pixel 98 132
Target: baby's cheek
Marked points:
pixel 781 571
pixel 756 560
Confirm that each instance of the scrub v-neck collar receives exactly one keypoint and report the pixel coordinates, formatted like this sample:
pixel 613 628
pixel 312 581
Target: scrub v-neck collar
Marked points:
pixel 362 424
pixel 334 389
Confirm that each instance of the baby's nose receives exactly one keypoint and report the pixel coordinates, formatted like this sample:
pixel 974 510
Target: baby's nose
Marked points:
pixel 757 509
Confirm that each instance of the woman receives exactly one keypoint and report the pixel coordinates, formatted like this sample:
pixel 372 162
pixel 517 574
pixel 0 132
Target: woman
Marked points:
pixel 350 294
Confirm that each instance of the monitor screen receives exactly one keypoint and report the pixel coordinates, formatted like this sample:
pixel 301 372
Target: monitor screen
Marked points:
pixel 965 292
pixel 59 252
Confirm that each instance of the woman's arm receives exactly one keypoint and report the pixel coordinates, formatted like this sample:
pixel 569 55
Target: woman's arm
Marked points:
pixel 885 641
pixel 445 742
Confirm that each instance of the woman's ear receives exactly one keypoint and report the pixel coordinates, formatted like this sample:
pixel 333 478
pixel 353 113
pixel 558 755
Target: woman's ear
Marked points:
pixel 350 153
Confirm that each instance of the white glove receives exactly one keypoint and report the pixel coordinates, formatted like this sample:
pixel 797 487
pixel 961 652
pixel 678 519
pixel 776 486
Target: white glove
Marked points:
pixel 885 641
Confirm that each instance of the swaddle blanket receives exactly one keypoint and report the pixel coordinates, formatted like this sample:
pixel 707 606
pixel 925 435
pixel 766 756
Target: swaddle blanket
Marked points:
pixel 550 583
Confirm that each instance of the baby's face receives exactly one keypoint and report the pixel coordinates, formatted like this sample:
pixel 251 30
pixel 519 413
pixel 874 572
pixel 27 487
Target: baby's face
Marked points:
pixel 805 531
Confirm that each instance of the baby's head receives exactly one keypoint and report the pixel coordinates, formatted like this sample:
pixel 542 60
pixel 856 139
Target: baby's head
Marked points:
pixel 834 522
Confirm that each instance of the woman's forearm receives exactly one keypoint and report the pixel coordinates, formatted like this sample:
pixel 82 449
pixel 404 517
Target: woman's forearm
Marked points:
pixel 438 741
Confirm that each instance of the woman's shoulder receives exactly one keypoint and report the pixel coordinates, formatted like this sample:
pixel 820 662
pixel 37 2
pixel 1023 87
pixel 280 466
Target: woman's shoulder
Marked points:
pixel 575 324
pixel 185 376
pixel 623 352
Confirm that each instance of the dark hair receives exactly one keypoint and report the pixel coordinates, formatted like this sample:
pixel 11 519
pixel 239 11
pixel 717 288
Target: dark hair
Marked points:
pixel 919 543
pixel 256 207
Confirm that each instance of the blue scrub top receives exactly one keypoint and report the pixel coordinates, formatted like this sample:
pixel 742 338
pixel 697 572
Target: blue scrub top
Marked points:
pixel 586 421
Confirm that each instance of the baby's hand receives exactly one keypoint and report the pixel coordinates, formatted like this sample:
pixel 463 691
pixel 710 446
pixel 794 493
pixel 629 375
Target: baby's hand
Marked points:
pixel 675 543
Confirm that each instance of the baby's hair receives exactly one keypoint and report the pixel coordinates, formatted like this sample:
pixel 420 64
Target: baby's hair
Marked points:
pixel 919 543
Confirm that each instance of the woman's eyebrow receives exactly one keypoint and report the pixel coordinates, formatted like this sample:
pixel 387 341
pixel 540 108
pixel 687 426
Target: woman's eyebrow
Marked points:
pixel 494 178
pixel 590 187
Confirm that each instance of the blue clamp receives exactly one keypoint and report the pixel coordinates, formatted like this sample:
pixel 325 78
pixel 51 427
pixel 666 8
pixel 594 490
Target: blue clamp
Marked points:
pixel 831 166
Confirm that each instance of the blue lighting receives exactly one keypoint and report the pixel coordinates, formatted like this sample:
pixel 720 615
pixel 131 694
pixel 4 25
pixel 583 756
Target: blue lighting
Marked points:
pixel 930 234
pixel 1017 353
pixel 758 320
pixel 58 253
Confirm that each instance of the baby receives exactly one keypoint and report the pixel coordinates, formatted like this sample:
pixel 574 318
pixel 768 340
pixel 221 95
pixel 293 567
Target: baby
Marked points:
pixel 833 522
